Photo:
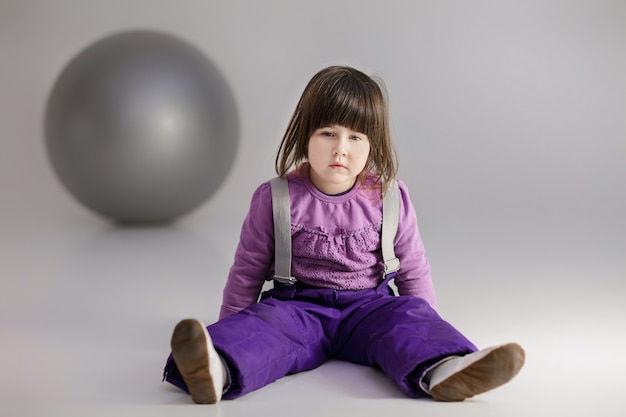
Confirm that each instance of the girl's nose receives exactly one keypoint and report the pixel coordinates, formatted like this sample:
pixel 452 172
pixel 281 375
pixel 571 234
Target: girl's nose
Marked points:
pixel 340 147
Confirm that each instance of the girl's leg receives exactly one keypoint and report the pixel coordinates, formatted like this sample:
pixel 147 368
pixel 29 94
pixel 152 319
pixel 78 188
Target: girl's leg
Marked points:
pixel 265 342
pixel 403 336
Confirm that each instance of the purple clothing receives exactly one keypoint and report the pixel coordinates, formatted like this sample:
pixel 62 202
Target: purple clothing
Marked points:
pixel 298 329
pixel 335 244
pixel 341 307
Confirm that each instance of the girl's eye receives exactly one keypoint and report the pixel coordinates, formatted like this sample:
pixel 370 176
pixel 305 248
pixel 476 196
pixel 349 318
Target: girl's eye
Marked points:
pixel 325 133
pixel 356 138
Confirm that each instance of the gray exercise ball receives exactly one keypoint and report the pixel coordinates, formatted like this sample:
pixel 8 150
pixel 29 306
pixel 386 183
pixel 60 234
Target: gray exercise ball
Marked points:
pixel 141 127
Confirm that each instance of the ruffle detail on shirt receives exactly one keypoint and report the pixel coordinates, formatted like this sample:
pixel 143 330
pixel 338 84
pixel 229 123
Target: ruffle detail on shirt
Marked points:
pixel 335 257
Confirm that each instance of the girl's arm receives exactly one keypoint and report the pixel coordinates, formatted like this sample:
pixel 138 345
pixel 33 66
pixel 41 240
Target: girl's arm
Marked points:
pixel 414 275
pixel 254 257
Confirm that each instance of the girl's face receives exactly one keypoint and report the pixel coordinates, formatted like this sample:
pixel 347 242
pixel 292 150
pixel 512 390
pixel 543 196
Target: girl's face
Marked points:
pixel 336 155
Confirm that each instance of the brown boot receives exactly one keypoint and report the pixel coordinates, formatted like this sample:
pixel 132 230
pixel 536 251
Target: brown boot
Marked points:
pixel 198 361
pixel 465 376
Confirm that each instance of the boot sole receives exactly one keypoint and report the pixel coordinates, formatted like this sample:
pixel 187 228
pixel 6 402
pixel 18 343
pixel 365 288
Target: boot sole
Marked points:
pixel 189 349
pixel 494 369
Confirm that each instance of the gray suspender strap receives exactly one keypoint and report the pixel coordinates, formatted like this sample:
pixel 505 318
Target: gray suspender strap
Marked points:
pixel 282 231
pixel 391 216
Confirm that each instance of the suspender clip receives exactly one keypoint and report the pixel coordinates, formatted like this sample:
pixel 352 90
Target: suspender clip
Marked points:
pixel 392 265
pixel 285 280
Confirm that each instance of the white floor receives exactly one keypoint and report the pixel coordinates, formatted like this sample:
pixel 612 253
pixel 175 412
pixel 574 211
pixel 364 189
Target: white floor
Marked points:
pixel 87 310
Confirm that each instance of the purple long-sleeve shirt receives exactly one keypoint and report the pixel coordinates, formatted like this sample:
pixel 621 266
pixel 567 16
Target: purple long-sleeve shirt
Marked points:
pixel 335 244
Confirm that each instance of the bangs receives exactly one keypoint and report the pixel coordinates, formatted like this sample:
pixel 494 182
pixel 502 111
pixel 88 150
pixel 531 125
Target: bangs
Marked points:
pixel 348 102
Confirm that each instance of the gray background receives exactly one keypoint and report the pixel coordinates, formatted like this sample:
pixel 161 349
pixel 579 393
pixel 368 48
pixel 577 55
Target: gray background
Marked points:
pixel 509 121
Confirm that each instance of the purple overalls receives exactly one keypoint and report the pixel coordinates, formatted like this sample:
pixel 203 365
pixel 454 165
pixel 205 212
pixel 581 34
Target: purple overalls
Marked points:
pixel 298 328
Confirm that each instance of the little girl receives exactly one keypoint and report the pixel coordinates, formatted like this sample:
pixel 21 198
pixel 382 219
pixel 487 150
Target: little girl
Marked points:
pixel 339 160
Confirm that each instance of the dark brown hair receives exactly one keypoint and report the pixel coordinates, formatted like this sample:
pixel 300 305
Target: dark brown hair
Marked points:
pixel 347 97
